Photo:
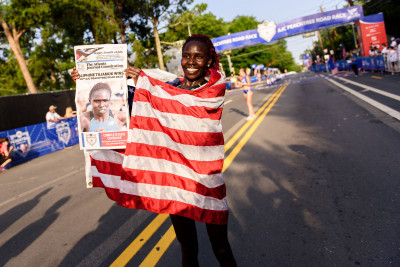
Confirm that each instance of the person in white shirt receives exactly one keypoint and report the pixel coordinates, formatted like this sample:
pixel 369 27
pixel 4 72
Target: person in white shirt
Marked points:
pixel 372 52
pixel 392 58
pixel 52 117
pixel 384 54
pixel 393 43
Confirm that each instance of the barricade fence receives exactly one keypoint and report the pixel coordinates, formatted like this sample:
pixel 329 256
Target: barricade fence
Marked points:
pixel 36 140
pixel 379 63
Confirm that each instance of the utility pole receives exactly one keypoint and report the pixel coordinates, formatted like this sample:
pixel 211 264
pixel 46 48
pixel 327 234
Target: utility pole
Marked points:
pixel 329 34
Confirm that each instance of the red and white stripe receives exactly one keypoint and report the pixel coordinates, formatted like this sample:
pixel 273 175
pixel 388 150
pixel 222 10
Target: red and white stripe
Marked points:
pixel 175 152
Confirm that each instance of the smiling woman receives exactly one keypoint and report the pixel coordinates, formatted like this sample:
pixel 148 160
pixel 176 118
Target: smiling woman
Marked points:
pixel 200 65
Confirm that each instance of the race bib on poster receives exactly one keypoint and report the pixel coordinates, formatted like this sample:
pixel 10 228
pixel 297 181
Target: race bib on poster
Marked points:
pixel 101 96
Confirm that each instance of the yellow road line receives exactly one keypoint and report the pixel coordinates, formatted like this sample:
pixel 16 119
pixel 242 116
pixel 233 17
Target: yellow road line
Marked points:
pixel 140 240
pixel 376 77
pixel 229 159
pixel 248 123
pixel 159 249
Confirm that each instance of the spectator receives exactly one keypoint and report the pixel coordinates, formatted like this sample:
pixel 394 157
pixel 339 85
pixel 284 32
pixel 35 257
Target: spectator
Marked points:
pixel 354 66
pixel 393 43
pixel 372 52
pixel 392 58
pixel 52 117
pixel 5 152
pixel 69 113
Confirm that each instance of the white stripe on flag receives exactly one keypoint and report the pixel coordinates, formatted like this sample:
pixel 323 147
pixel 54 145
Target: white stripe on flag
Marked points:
pixel 199 153
pixel 186 99
pixel 178 121
pixel 110 181
pixel 165 166
pixel 107 155
pixel 173 193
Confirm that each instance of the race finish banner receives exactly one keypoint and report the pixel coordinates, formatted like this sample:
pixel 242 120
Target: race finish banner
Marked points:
pixel 269 32
pixel 101 94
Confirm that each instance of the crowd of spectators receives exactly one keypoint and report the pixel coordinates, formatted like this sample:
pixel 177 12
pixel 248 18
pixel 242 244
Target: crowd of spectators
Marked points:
pixel 391 54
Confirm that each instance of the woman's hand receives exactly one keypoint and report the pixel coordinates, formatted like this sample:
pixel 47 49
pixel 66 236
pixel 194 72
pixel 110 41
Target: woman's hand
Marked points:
pixel 75 75
pixel 132 72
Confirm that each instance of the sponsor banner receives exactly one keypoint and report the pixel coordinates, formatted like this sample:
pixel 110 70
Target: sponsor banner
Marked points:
pixel 373 33
pixel 36 140
pixel 367 63
pixel 101 96
pixel 373 63
pixel 268 31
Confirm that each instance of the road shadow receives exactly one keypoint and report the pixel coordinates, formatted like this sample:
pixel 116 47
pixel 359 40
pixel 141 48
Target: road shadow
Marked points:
pixel 238 112
pixel 14 214
pixel 19 242
pixel 116 230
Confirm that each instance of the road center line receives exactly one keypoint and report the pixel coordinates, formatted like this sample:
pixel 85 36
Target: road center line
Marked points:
pixel 161 247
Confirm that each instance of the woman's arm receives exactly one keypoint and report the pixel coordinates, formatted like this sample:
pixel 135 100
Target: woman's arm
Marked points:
pixel 74 75
pixel 132 72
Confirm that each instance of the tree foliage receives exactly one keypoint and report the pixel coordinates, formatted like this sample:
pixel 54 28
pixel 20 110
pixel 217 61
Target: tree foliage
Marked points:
pixel 46 32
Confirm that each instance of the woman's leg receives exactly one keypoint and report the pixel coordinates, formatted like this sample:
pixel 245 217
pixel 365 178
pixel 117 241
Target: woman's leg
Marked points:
pixel 218 235
pixel 5 163
pixel 185 230
pixel 249 101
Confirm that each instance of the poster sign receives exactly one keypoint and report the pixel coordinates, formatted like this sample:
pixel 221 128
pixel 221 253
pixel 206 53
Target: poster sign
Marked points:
pixel 101 94
pixel 269 31
pixel 373 33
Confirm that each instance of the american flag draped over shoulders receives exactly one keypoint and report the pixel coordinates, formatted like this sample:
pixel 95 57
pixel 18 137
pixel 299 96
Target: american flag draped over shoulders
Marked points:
pixel 175 153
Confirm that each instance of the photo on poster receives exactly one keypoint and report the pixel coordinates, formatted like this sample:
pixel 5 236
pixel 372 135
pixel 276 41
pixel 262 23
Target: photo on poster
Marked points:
pixel 101 94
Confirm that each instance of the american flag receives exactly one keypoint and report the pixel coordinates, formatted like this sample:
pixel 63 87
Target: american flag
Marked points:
pixel 175 153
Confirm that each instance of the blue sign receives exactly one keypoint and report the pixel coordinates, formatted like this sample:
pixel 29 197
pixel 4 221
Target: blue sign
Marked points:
pixel 36 140
pixel 375 63
pixel 269 32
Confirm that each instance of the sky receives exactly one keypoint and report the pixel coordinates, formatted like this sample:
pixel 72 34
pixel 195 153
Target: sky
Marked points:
pixel 277 11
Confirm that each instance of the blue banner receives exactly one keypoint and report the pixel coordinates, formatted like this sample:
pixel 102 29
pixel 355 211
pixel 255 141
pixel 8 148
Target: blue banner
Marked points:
pixel 36 140
pixel 268 31
pixel 367 63
pixel 373 63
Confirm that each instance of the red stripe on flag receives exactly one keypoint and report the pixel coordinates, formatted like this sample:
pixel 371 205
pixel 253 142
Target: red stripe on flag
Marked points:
pixel 176 107
pixel 174 207
pixel 159 152
pixel 112 193
pixel 107 167
pixel 178 136
pixel 172 180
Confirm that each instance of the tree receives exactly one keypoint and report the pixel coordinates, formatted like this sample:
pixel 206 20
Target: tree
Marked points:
pixel 18 18
pixel 197 21
pixel 156 12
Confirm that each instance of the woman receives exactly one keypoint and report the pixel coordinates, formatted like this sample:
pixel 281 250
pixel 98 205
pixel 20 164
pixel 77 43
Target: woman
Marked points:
pixel 199 63
pixel 247 93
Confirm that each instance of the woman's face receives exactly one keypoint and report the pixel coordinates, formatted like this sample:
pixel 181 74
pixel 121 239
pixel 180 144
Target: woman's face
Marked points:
pixel 195 60
pixel 100 101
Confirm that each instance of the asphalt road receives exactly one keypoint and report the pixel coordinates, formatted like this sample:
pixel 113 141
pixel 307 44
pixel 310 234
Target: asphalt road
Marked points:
pixel 313 181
